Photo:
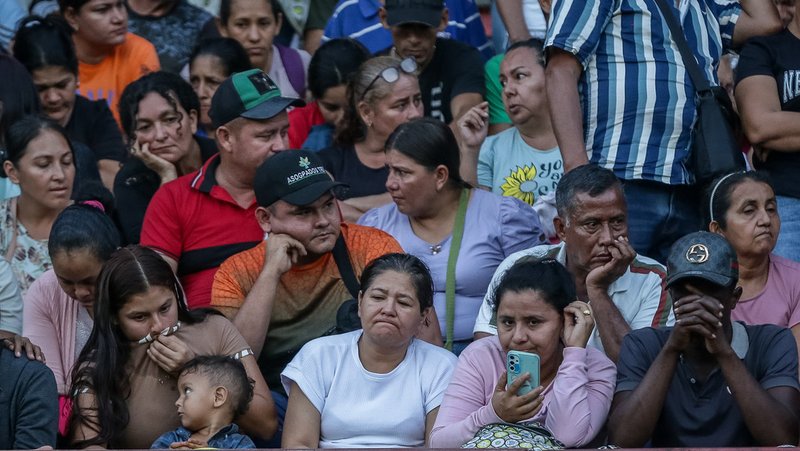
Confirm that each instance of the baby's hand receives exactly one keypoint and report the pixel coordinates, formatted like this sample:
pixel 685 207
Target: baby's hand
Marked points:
pixel 189 444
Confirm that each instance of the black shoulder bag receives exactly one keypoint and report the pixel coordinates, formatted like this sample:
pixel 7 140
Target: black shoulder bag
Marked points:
pixel 347 316
pixel 715 150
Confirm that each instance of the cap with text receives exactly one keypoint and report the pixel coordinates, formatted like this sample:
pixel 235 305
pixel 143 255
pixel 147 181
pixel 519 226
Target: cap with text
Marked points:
pixel 293 176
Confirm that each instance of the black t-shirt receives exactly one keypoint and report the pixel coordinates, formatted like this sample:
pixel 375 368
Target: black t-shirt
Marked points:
pixel 92 125
pixel 136 184
pixel 174 35
pixel 777 56
pixel 456 68
pixel 344 165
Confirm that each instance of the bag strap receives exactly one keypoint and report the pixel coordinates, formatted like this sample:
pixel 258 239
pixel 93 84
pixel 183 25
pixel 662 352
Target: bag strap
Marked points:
pixel 699 79
pixel 342 259
pixel 293 65
pixel 450 284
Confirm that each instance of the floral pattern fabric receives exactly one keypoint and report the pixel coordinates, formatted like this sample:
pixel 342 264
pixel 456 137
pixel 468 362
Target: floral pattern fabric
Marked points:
pixel 30 257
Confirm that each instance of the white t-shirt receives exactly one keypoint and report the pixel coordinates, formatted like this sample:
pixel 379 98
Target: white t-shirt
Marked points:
pixel 361 409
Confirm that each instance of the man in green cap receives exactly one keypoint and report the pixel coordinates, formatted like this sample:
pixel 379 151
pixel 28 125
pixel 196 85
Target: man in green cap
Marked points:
pixel 199 220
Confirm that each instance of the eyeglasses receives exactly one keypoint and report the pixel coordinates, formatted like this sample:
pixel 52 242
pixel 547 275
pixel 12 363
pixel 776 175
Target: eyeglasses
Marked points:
pixel 392 74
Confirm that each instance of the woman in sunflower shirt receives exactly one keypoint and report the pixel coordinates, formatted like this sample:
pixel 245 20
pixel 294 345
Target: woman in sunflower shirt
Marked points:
pixel 523 161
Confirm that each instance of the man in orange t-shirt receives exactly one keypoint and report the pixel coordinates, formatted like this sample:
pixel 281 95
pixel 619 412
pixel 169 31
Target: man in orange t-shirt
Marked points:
pixel 287 290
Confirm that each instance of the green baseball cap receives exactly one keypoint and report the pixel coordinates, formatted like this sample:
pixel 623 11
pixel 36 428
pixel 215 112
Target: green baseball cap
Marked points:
pixel 250 94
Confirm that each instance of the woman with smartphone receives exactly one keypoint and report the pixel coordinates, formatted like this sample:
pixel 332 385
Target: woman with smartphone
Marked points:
pixel 537 315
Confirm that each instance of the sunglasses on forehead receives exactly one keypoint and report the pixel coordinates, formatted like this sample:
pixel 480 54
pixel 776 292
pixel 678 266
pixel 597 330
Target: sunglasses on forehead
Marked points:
pixel 392 74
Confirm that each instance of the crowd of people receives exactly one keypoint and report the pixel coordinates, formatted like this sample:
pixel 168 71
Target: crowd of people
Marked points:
pixel 303 224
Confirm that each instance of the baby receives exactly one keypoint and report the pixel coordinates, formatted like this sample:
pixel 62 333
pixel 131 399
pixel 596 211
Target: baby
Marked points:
pixel 214 390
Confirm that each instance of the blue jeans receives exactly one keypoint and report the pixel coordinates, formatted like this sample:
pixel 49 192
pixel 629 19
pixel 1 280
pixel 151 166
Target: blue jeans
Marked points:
pixel 789 239
pixel 281 401
pixel 659 214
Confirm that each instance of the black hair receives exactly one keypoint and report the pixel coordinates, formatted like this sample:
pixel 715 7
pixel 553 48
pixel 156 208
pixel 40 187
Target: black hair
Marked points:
pixel 101 365
pixel 230 53
pixel 20 134
pixel 227 372
pixel 18 95
pixel 430 143
pixel 225 10
pixel 533 44
pixel 722 188
pixel 74 4
pixel 546 276
pixel 85 226
pixel 168 85
pixel 45 41
pixel 333 63
pixel 590 179
pixel 406 264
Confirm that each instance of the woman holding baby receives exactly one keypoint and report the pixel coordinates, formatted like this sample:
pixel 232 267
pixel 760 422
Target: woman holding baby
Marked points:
pixel 124 383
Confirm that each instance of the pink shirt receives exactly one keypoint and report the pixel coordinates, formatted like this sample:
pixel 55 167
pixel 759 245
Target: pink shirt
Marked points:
pixel 779 301
pixel 49 320
pixel 574 408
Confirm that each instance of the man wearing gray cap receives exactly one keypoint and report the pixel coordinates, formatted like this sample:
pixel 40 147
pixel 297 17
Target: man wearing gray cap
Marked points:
pixel 707 381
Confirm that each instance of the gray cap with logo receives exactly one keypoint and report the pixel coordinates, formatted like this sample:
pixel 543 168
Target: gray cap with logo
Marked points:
pixel 703 255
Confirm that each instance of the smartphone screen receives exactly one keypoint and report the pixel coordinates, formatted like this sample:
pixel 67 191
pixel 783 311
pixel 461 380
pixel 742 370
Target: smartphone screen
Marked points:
pixel 519 363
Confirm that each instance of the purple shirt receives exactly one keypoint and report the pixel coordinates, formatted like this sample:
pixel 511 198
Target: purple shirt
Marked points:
pixel 494 228
pixel 779 301
pixel 574 408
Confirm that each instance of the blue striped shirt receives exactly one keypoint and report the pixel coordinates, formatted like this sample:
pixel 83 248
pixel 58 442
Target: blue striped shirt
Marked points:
pixel 358 19
pixel 637 98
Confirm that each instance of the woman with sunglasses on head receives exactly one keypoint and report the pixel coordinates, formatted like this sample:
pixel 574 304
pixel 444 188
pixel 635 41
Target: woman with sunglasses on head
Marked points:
pixel 125 380
pixel 44 47
pixel 159 115
pixel 383 94
pixel 109 56
pixel 461 233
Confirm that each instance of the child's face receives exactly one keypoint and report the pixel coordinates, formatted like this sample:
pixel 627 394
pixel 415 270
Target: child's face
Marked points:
pixel 254 25
pixel 196 401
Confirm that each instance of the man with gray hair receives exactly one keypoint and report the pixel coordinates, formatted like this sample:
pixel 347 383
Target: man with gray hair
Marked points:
pixel 626 290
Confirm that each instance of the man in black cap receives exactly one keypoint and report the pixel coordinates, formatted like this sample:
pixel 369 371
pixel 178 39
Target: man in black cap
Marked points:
pixel 288 289
pixel 451 73
pixel 199 220
pixel 707 381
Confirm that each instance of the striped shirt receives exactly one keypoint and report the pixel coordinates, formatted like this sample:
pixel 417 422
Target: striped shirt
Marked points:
pixel 636 95
pixel 358 19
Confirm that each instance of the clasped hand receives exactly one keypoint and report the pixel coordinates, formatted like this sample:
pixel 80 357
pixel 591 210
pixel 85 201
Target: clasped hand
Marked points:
pixel 698 315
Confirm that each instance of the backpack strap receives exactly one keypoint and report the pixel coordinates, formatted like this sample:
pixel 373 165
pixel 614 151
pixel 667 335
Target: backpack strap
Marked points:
pixel 294 68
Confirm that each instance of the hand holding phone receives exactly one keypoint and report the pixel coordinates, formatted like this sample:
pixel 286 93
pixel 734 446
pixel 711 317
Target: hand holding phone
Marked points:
pixel 519 363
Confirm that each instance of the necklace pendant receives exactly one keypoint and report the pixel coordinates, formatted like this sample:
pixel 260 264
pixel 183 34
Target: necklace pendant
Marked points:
pixel 436 249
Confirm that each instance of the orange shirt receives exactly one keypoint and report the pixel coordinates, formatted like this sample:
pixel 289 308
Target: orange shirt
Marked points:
pixel 108 78
pixel 308 296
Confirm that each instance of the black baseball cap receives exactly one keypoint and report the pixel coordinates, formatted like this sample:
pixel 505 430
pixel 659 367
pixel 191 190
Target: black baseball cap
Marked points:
pixel 703 255
pixel 426 12
pixel 293 176
pixel 250 94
